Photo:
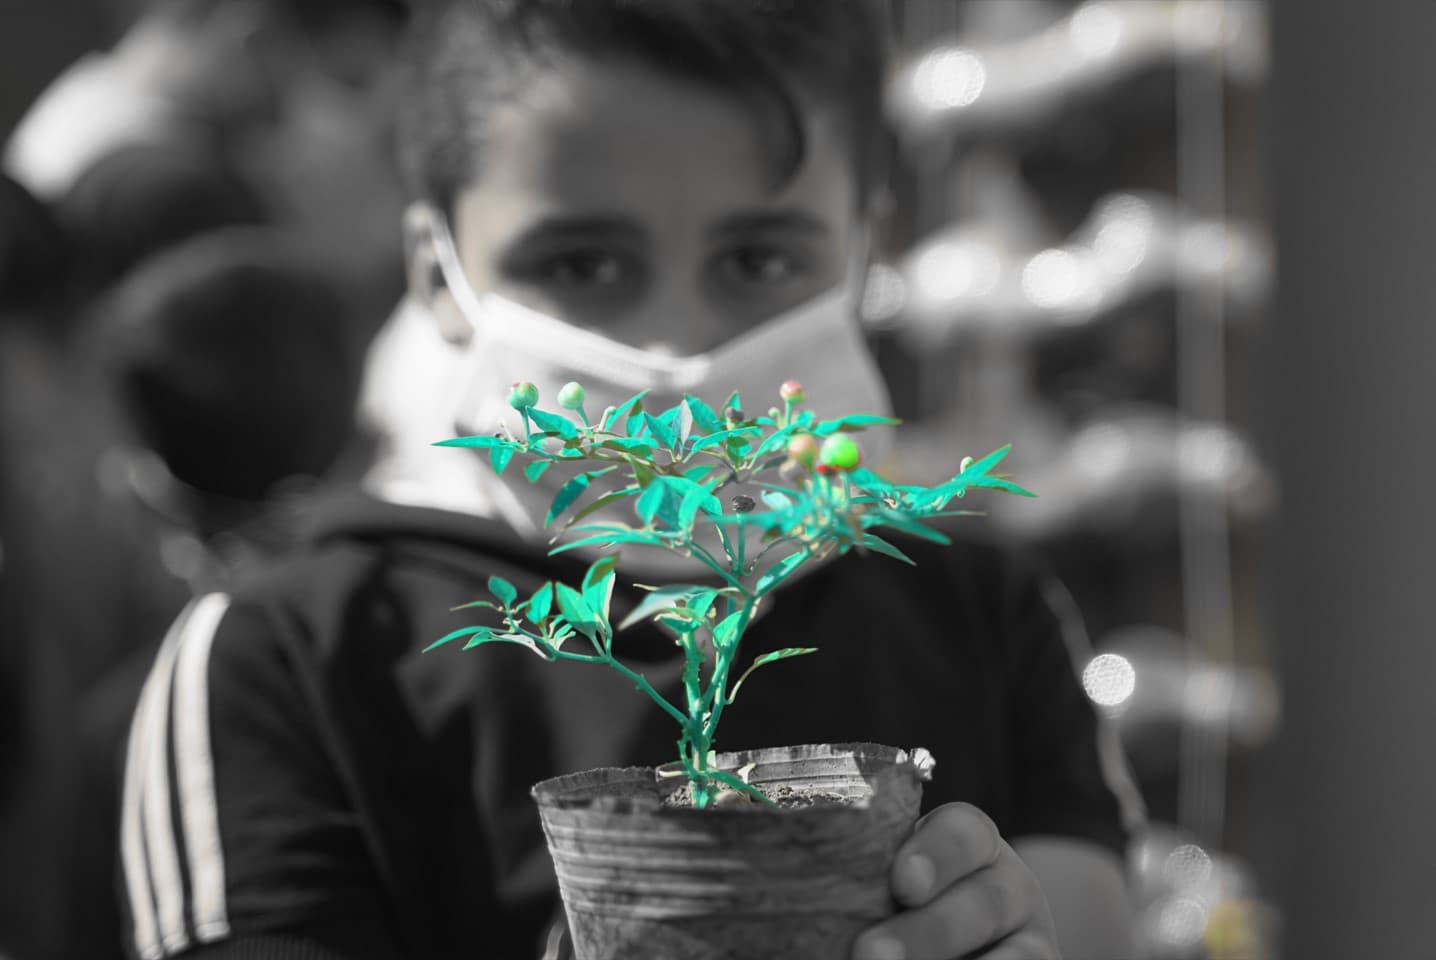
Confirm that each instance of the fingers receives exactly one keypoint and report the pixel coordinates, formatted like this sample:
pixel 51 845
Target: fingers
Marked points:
pixel 982 909
pixel 949 843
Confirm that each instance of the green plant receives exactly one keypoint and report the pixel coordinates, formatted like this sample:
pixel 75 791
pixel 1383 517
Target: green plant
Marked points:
pixel 674 464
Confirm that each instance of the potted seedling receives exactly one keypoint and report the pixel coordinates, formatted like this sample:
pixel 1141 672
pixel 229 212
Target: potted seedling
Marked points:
pixel 782 852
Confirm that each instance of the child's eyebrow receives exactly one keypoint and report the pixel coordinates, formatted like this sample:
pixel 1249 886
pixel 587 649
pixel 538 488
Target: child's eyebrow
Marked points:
pixel 581 227
pixel 768 221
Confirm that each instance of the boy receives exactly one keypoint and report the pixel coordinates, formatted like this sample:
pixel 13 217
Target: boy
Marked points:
pixel 661 193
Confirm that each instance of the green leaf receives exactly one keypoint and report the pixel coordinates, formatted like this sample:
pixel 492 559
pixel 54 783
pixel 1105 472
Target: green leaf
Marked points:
pixel 865 479
pixel 603 501
pixel 723 436
pixel 478 443
pixel 704 417
pixel 774 655
pixel 698 497
pixel 650 501
pixel 553 423
pixel 503 590
pixel 779 572
pixel 776 440
pixel 461 632
pixel 1002 483
pixel 500 457
pixel 536 469
pixel 877 544
pixel 487 604
pixel 857 421
pixel 657 601
pixel 724 633
pixel 662 431
pixel 638 447
pixel 885 516
pixel 631 404
pixel 571 491
pixel 518 638
pixel 541 603
pixel 627 535
pixel 598 585
pixel 577 612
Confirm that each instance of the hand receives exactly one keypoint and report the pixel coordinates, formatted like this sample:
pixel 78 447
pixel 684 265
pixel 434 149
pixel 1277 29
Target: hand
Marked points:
pixel 965 894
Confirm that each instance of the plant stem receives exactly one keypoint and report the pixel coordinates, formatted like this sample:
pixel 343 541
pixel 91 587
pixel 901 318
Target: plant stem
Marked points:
pixel 638 679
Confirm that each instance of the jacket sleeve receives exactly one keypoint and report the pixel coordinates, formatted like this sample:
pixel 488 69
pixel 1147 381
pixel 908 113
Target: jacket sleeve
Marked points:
pixel 238 837
pixel 1072 779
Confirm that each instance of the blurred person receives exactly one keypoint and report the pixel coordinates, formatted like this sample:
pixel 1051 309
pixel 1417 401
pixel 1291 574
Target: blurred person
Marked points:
pixel 225 357
pixel 596 182
pixel 34 688
pixel 289 96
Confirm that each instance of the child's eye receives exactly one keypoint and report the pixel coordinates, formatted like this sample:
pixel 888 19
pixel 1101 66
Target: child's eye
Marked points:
pixel 584 269
pixel 761 265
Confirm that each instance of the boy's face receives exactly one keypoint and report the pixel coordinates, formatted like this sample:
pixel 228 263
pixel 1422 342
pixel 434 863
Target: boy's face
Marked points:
pixel 622 200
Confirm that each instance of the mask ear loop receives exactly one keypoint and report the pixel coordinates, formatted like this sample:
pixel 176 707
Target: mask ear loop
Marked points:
pixel 432 234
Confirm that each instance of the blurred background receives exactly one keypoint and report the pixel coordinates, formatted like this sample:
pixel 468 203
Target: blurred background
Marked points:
pixel 1078 258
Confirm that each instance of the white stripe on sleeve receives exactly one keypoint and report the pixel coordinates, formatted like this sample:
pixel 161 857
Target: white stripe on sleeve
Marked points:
pixel 132 827
pixel 156 805
pixel 194 769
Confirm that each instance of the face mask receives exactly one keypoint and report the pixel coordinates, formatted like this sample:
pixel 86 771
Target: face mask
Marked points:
pixel 817 343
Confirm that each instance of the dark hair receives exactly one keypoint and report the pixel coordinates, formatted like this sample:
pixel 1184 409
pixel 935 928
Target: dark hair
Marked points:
pixel 464 57
pixel 139 199
pixel 232 360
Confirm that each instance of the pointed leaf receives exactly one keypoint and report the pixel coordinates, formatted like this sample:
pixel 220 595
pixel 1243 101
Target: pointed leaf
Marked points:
pixel 1001 483
pixel 603 501
pixel 624 409
pixel 541 603
pixel 779 572
pixel 553 423
pixel 461 632
pixel 662 431
pixel 704 417
pixel 577 612
pixel 503 590
pixel 783 654
pixel 658 601
pixel 517 638
pixel 500 457
pixel 857 421
pixel 724 633
pixel 477 443
pixel 571 491
pixel 537 469
pixel 598 585
pixel 877 544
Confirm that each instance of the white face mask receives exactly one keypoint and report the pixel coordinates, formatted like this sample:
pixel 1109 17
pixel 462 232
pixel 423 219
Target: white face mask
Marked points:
pixel 817 343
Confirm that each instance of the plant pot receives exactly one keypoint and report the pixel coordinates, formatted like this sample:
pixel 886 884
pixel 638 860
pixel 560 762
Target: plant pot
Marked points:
pixel 641 879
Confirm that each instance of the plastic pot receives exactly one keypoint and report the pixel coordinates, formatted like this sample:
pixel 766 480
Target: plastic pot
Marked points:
pixel 642 880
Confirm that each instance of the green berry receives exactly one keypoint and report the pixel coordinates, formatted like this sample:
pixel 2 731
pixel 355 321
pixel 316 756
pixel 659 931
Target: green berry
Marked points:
pixel 792 392
pixel 523 395
pixel 804 450
pixel 570 397
pixel 839 453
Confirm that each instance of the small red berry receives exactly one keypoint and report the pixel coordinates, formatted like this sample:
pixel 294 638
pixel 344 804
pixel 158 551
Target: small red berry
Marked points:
pixel 792 392
pixel 839 453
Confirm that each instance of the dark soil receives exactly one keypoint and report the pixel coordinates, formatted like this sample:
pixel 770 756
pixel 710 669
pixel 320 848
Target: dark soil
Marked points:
pixel 785 797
